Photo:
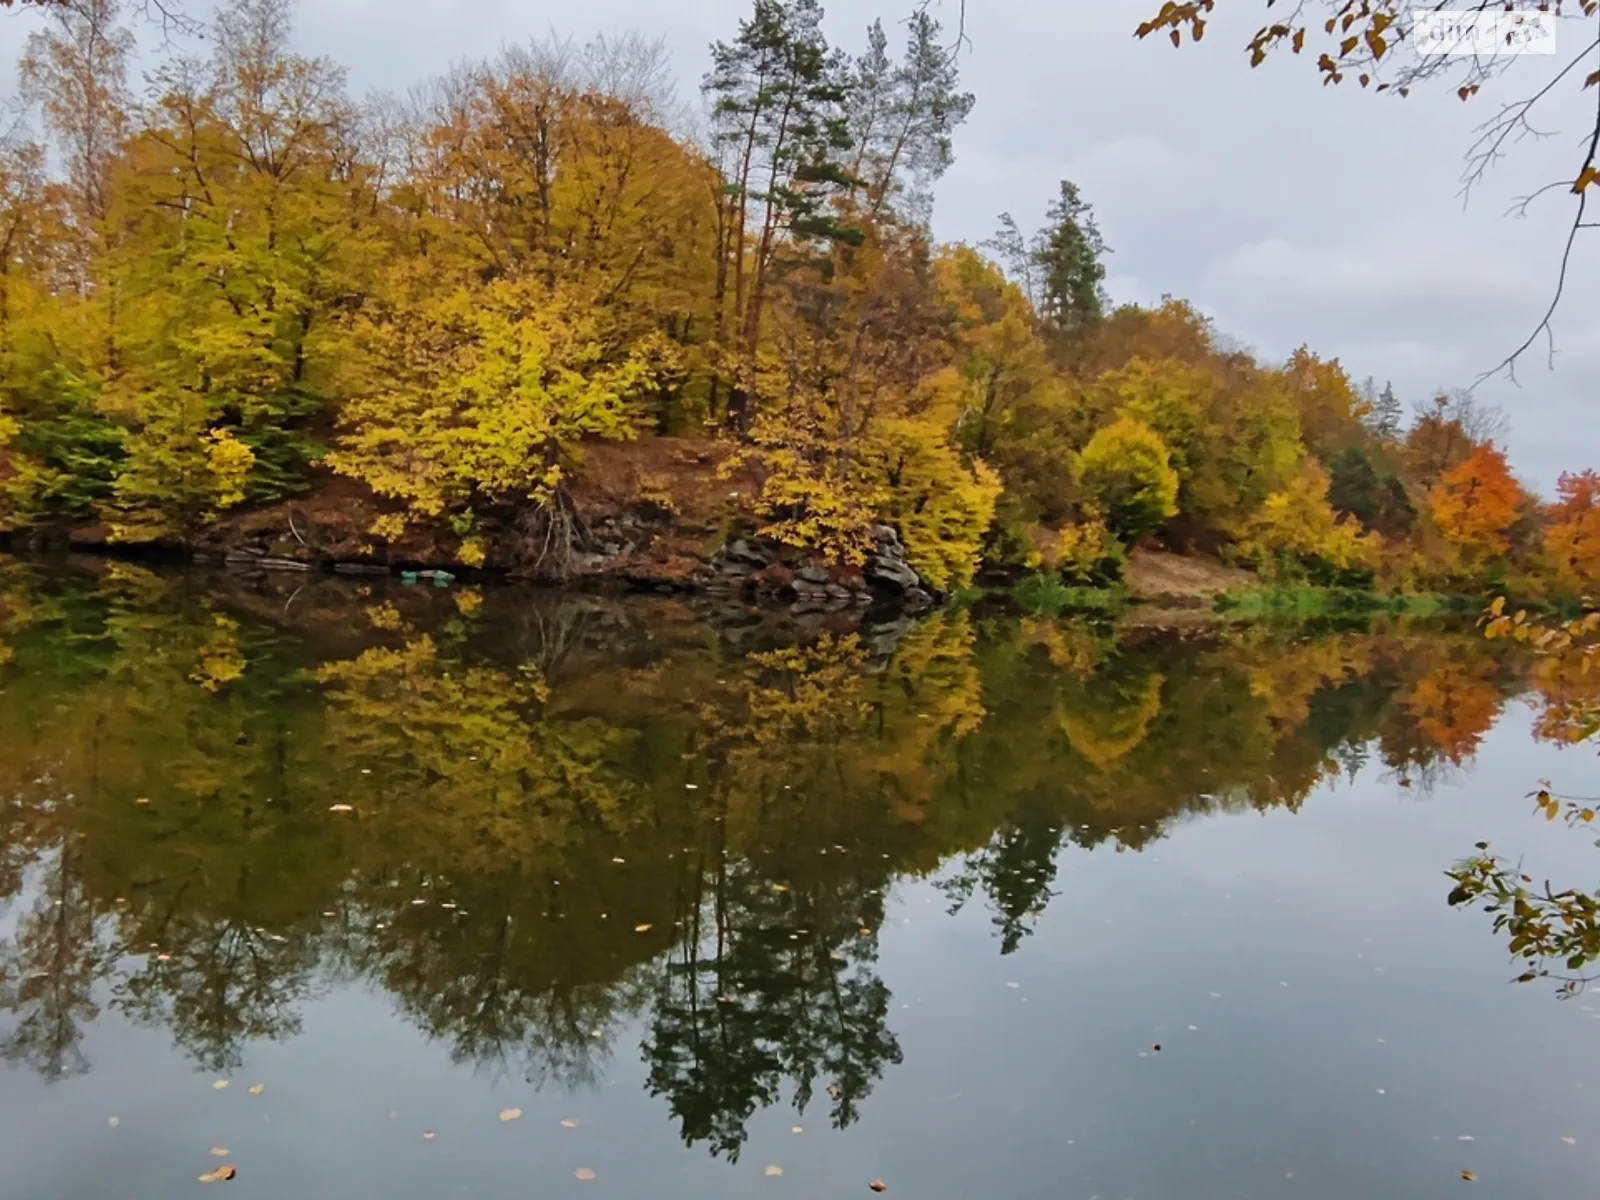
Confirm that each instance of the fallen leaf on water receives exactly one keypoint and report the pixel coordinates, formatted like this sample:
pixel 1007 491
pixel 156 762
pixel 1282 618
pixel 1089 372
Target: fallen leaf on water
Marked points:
pixel 1156 1047
pixel 1465 1137
pixel 341 808
pixel 797 1129
pixel 220 1084
pixel 584 1174
pixel 1571 1141
pixel 835 1090
pixel 511 1114
pixel 569 1124
pixel 878 1185
pixel 619 860
pixel 115 1121
pixel 1013 985
pixel 220 1152
pixel 258 1089
pixel 141 800
pixel 1468 1176
pixel 772 1171
pixel 222 1174
pixel 645 928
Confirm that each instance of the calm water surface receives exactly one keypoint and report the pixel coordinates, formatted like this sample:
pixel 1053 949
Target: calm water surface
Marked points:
pixel 708 898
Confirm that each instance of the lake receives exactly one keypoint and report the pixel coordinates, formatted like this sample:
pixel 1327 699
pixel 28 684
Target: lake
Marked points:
pixel 510 893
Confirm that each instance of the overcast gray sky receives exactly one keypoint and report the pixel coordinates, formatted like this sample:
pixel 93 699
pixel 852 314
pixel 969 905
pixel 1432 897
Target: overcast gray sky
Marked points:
pixel 1288 211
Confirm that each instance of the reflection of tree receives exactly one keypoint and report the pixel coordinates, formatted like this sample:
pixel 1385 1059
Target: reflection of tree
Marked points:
pixel 1551 933
pixel 219 985
pixel 458 754
pixel 48 971
pixel 1015 872
pixel 768 985
pixel 1109 722
pixel 507 990
pixel 561 820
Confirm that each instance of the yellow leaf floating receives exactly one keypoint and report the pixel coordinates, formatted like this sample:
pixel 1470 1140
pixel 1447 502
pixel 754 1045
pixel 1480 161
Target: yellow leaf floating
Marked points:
pixel 772 1172
pixel 569 1124
pixel 584 1174
pixel 341 808
pixel 646 928
pixel 511 1114
pixel 223 1174
pixel 220 1152
pixel 1468 1176
pixel 258 1089
pixel 220 1084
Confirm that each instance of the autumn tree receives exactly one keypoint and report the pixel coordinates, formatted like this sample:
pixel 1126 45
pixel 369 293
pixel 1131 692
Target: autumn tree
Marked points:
pixel 244 217
pixel 1232 433
pixel 1297 531
pixel 1332 412
pixel 1572 530
pixel 477 397
pixel 1476 502
pixel 76 71
pixel 1446 431
pixel 1128 470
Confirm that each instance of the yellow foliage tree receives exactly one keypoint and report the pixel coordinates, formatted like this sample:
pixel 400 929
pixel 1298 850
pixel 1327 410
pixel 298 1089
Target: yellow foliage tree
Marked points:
pixel 1127 468
pixel 1296 529
pixel 479 397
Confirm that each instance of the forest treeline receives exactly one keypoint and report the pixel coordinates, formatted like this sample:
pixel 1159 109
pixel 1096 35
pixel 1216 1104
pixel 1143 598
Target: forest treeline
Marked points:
pixel 530 820
pixel 242 284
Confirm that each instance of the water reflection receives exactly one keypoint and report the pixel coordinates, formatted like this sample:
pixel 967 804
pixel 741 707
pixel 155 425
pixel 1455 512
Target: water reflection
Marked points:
pixel 567 816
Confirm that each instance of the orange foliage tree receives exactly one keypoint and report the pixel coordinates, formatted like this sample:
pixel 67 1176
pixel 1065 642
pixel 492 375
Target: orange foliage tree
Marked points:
pixel 1572 535
pixel 1476 502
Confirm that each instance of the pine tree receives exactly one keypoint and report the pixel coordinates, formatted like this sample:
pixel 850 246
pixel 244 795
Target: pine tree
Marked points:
pixel 1071 272
pixel 1386 414
pixel 1059 268
pixel 777 95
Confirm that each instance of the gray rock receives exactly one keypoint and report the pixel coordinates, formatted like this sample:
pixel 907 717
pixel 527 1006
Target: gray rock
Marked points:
pixel 884 535
pixel 891 573
pixel 818 575
pixel 838 591
pixel 742 550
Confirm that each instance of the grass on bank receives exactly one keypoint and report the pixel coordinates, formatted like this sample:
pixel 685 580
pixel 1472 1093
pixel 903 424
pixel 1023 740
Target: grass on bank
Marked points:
pixel 1295 602
pixel 1046 596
